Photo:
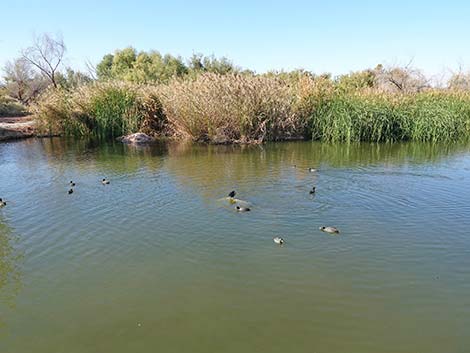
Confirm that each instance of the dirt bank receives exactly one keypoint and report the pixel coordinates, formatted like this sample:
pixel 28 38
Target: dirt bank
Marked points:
pixel 16 127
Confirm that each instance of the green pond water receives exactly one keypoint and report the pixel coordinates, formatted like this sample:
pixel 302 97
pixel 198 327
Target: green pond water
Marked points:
pixel 158 261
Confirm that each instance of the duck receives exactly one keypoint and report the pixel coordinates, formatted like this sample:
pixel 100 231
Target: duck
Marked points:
pixel 313 190
pixel 278 240
pixel 105 182
pixel 2 203
pixel 243 209
pixel 232 194
pixel 70 191
pixel 331 230
pixel 312 170
pixel 72 184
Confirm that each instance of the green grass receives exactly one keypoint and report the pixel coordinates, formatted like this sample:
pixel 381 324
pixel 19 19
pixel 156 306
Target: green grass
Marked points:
pixel 427 116
pixel 114 111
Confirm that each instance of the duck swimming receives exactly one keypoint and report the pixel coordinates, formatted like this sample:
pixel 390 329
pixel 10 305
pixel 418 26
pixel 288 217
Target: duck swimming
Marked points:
pixel 331 230
pixel 312 170
pixel 243 209
pixel 2 203
pixel 70 191
pixel 278 240
pixel 313 190
pixel 105 182
pixel 72 184
pixel 231 196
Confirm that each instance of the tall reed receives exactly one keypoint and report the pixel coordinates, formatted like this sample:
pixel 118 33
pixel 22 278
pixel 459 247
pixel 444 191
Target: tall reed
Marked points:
pixel 248 108
pixel 227 108
pixel 106 109
pixel 371 116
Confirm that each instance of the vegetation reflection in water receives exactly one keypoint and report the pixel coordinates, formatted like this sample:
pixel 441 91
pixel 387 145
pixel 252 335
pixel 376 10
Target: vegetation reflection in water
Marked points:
pixel 10 274
pixel 121 158
pixel 154 261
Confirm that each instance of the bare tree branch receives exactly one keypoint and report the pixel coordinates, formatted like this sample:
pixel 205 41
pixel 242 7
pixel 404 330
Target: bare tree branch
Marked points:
pixel 22 82
pixel 91 69
pixel 46 54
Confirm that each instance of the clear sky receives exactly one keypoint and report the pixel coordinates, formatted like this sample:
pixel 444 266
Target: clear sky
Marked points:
pixel 321 36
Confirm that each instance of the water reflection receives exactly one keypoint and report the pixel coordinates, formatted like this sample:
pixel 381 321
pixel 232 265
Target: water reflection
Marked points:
pixel 154 247
pixel 10 275
pixel 209 169
pixel 111 157
pixel 206 167
pixel 302 154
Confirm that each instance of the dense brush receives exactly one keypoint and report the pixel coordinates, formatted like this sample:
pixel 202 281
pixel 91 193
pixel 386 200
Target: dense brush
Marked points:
pixel 248 108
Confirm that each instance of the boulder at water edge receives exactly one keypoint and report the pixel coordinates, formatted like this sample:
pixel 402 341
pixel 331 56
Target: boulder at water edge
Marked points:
pixel 138 138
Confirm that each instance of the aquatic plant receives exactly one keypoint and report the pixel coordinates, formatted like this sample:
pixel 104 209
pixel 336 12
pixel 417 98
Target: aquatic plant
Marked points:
pixel 255 108
pixel 232 107
pixel 104 109
pixel 377 117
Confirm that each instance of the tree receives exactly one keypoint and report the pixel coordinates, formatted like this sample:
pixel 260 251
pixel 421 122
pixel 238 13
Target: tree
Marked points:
pixel 400 79
pixel 152 67
pixel 173 66
pixel 356 80
pixel 143 67
pixel 195 62
pixel 104 67
pixel 459 80
pixel 46 54
pixel 21 80
pixel 200 63
pixel 221 66
pixel 72 79
pixel 18 75
pixel 123 62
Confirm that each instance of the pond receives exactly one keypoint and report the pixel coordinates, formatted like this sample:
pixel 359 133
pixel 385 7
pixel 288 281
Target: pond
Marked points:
pixel 159 260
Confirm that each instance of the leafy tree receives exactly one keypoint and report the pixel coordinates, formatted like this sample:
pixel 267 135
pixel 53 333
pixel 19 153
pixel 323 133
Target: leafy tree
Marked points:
pixel 200 63
pixel 103 69
pixel 219 66
pixel 195 62
pixel 173 66
pixel 72 79
pixel 152 67
pixel 123 62
pixel 356 80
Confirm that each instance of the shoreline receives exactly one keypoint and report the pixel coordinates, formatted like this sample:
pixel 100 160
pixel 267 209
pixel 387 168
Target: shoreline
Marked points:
pixel 17 127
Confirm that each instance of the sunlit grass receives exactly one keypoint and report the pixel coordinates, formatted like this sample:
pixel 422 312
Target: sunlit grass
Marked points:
pixel 378 117
pixel 101 109
pixel 248 108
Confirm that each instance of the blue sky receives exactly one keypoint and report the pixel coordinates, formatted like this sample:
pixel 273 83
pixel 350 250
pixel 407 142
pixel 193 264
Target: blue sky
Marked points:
pixel 321 36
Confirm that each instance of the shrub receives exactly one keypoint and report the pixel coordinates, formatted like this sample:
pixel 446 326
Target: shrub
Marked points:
pixel 10 107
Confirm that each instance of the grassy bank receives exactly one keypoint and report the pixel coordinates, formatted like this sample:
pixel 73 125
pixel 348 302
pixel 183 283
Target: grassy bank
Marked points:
pixel 9 107
pixel 249 108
